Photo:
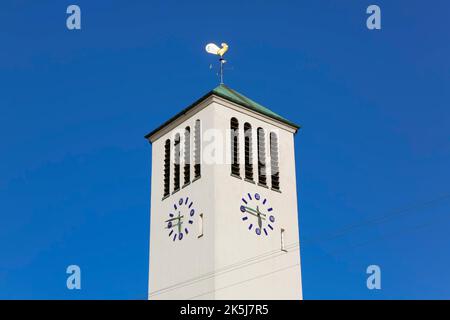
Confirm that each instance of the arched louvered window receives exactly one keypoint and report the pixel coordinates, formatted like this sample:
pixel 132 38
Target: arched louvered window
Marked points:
pixel 167 168
pixel 176 156
pixel 275 170
pixel 197 150
pixel 234 126
pixel 261 157
pixel 248 151
pixel 187 155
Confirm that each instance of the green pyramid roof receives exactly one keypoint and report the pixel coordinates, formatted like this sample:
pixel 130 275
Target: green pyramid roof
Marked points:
pixel 229 94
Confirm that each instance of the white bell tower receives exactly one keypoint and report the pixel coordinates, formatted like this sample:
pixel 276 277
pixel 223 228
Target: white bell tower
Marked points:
pixel 224 222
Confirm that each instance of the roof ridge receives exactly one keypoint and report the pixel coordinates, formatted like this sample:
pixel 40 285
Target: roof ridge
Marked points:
pixel 232 95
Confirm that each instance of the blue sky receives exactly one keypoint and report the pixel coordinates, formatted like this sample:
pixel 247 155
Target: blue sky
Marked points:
pixel 373 153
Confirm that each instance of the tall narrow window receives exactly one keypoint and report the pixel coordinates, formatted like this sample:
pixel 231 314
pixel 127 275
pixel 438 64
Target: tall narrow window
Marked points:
pixel 282 240
pixel 248 151
pixel 200 225
pixel 275 170
pixel 234 126
pixel 261 157
pixel 187 155
pixel 176 156
pixel 167 168
pixel 197 150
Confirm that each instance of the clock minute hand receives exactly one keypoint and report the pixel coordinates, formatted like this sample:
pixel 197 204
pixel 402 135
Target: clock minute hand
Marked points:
pixel 255 211
pixel 256 215
pixel 176 218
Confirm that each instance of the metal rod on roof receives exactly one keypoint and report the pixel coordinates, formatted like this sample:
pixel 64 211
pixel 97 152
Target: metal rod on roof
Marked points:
pixel 222 61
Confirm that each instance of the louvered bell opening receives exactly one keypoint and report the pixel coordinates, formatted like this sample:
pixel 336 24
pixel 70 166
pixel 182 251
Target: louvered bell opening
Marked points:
pixel 166 168
pixel 234 126
pixel 248 160
pixel 235 163
pixel 248 163
pixel 261 157
pixel 276 181
pixel 187 154
pixel 176 182
pixel 249 171
pixel 176 171
pixel 275 176
pixel 197 167
pixel 262 179
pixel 197 170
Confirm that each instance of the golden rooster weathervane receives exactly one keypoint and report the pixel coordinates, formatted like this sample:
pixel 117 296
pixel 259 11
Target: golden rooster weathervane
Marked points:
pixel 214 49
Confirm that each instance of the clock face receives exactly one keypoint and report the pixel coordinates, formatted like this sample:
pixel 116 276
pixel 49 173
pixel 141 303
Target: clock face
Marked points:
pixel 257 214
pixel 181 218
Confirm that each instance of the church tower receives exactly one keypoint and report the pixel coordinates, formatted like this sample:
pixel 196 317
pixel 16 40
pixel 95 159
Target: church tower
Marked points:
pixel 224 221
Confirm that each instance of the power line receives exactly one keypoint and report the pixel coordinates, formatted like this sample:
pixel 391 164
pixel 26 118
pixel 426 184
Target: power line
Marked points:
pixel 377 220
pixel 390 235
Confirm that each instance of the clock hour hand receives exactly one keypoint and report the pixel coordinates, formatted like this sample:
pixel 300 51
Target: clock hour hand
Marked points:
pixel 259 218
